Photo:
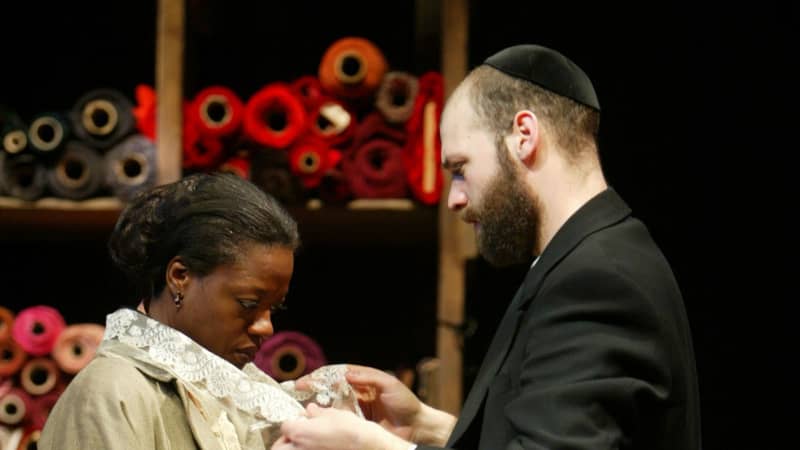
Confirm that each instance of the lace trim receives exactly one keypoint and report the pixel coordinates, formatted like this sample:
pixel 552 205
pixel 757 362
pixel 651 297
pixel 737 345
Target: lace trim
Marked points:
pixel 250 389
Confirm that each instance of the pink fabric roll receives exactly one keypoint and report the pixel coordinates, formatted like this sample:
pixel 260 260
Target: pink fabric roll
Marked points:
pixel 39 376
pixel 14 406
pixel 288 355
pixel 36 329
pixel 76 346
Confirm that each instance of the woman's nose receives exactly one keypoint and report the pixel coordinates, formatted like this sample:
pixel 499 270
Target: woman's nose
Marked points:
pixel 262 326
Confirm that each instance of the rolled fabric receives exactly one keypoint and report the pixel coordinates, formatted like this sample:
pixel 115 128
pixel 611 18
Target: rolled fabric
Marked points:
pixel 311 159
pixel 332 122
pixel 130 166
pixel 200 153
pixel 375 126
pixel 76 346
pixel 376 170
pixel 216 112
pixel 23 175
pixel 78 173
pixel 274 116
pixel 13 132
pixel 269 170
pixel 30 439
pixel 10 437
pixel 12 357
pixel 48 132
pixel 39 376
pixel 36 329
pixel 352 68
pixel 396 95
pixel 309 90
pixel 423 148
pixel 6 322
pixel 287 355
pixel 42 405
pixel 14 406
pixel 238 164
pixel 102 117
pixel 145 110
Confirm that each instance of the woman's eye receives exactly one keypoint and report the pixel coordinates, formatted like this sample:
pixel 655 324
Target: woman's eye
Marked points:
pixel 248 304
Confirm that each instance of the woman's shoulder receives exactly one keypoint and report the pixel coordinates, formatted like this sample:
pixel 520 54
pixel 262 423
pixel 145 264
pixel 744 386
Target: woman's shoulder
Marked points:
pixel 110 377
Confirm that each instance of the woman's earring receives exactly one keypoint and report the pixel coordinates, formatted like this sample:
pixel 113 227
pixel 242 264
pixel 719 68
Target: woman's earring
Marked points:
pixel 178 299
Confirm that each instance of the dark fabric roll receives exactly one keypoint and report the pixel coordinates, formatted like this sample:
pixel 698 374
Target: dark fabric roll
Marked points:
pixel 47 133
pixel 145 110
pixel 13 132
pixel 352 68
pixel 310 159
pixel 102 118
pixel 39 376
pixel 23 176
pixel 216 112
pixel 332 122
pixel 130 166
pixel 395 97
pixel 376 170
pixel 274 116
pixel 270 171
pixel 309 90
pixel 79 172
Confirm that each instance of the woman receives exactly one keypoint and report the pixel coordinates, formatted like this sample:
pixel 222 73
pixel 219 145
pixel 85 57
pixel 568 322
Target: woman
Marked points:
pixel 212 257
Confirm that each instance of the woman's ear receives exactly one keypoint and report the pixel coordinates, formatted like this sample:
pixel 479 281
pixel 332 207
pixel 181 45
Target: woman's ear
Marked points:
pixel 177 276
pixel 526 133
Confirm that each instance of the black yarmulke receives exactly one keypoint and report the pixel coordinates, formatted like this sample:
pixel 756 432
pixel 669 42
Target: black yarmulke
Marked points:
pixel 548 69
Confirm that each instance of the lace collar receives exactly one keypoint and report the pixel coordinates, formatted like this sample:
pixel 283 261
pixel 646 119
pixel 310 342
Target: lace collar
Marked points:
pixel 250 390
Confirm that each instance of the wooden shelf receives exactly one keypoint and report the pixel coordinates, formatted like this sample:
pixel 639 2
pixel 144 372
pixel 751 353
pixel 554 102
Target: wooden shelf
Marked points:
pixel 54 218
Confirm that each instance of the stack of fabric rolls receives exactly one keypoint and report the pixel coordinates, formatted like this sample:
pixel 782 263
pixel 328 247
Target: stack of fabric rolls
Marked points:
pixel 91 150
pixel 39 355
pixel 355 128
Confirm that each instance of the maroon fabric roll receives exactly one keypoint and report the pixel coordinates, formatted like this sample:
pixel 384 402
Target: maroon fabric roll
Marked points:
pixel 376 170
pixel 42 405
pixel 288 355
pixel 217 112
pixel 274 116
pixel 36 329
pixel 309 90
pixel 375 126
pixel 14 406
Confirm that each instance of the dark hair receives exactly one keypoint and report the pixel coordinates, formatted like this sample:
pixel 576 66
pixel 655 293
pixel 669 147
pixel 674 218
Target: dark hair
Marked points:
pixel 205 219
pixel 497 97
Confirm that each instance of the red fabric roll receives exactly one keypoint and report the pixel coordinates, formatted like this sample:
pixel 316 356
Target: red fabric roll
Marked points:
pixel 423 149
pixel 376 170
pixel 39 376
pixel 14 406
pixel 76 346
pixel 12 357
pixel 332 122
pixel 374 126
pixel 216 112
pixel 42 405
pixel 238 165
pixel 6 322
pixel 145 110
pixel 352 68
pixel 311 159
pixel 274 116
pixel 200 153
pixel 36 329
pixel 309 90
pixel 287 355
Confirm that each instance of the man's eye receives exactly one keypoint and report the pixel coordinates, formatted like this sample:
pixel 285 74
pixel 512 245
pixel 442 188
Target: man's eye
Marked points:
pixel 248 304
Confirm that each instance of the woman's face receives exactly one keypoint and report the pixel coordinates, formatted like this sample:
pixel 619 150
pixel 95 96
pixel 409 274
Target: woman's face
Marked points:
pixel 229 311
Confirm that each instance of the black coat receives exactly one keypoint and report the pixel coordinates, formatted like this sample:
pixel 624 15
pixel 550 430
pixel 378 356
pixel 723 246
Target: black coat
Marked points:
pixel 594 351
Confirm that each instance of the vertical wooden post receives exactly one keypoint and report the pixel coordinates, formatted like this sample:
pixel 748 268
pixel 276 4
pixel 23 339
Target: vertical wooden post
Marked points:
pixel 169 88
pixel 451 289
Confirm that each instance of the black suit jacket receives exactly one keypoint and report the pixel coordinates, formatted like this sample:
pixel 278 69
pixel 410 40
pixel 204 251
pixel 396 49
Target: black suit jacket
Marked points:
pixel 594 351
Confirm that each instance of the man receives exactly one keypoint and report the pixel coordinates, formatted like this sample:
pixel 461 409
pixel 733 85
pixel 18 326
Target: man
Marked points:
pixel 594 351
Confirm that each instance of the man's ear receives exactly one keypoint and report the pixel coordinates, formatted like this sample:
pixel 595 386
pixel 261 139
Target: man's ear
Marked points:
pixel 526 136
pixel 177 275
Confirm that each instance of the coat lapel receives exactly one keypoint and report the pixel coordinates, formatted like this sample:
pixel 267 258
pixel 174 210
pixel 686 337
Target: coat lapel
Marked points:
pixel 604 210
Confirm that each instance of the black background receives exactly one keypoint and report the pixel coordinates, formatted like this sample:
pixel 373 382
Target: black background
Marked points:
pixel 698 135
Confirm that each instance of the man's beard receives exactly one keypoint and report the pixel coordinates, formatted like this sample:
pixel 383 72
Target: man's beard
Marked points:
pixel 509 218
